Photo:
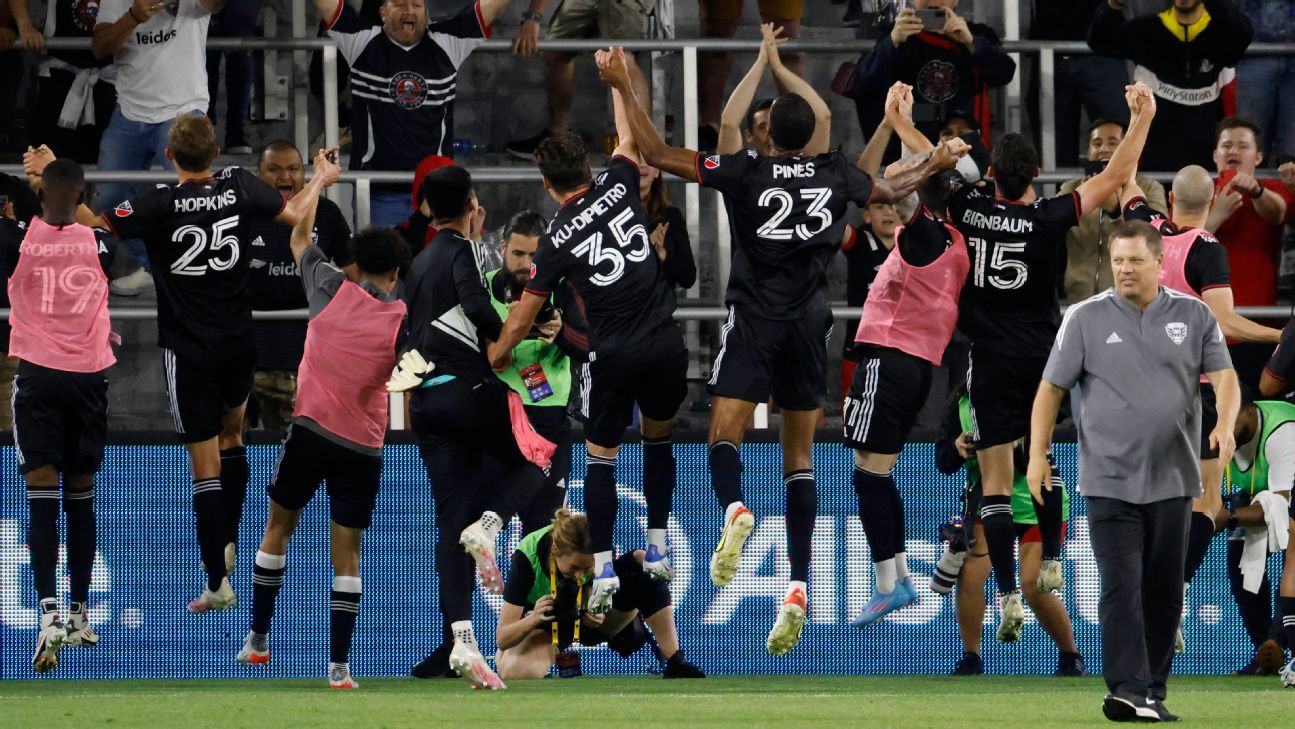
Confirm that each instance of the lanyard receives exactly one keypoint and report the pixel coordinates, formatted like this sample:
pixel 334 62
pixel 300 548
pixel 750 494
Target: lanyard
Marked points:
pixel 553 592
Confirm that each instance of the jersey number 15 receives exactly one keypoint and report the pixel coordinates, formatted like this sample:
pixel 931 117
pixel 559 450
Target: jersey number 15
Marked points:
pixel 1001 272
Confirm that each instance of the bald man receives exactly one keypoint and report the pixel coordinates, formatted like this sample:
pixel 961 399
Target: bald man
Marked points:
pixel 1196 263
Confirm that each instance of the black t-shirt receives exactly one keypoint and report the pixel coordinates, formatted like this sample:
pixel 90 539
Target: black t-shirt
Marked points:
pixel 275 281
pixel 521 575
pixel 75 19
pixel 788 217
pixel 1207 265
pixel 598 241
pixel 193 235
pixel 11 235
pixel 1010 301
pixel 1282 364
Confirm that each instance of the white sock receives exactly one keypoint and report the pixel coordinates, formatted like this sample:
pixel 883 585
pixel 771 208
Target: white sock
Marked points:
pixel 657 537
pixel 732 508
pixel 491 523
pixel 601 560
pixel 901 565
pixel 885 575
pixel 794 585
pixel 462 630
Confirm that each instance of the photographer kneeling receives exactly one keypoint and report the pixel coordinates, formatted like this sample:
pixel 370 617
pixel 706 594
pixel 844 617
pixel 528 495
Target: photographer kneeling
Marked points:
pixel 544 605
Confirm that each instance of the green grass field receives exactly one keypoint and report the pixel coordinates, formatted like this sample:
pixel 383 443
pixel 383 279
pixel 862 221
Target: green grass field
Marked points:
pixel 728 701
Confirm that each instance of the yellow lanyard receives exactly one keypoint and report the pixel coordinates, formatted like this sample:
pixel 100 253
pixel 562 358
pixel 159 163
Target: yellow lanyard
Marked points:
pixel 553 592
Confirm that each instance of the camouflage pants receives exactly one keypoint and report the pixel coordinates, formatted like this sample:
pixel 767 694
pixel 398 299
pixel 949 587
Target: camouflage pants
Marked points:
pixel 8 368
pixel 274 392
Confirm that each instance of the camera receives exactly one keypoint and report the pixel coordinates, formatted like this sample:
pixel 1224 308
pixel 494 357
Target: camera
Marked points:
pixel 950 565
pixel 566 606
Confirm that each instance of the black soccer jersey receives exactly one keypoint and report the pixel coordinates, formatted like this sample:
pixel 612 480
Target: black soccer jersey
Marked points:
pixel 598 241
pixel 788 217
pixel 1016 249
pixel 450 319
pixel 402 99
pixel 1207 266
pixel 193 235
pixel 275 281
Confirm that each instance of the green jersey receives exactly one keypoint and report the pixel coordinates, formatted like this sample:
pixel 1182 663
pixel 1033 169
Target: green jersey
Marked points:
pixel 1022 502
pixel 553 366
pixel 1253 478
pixel 530 547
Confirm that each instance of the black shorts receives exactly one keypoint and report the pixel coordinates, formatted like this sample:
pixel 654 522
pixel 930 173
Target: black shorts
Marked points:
pixel 201 392
pixel 653 375
pixel 759 357
pixel 309 458
pixel 888 391
pixel 1002 386
pixel 1209 419
pixel 60 419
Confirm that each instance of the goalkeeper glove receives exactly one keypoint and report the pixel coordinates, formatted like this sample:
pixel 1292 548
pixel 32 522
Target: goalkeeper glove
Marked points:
pixel 409 372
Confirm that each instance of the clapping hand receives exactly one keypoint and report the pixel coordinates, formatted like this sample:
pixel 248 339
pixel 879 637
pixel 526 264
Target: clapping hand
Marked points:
pixel 612 68
pixel 899 102
pixel 771 38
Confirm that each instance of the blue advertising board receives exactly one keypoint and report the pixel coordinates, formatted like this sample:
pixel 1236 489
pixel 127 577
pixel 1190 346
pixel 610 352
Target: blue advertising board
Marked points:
pixel 147 569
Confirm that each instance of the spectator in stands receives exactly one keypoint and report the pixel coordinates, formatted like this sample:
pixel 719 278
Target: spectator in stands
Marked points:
pixel 1248 214
pixel 157 49
pixel 237 19
pixel 573 19
pixel 12 134
pixel 1081 82
pixel 949 69
pixel 75 91
pixel 1266 84
pixel 1186 54
pixel 275 283
pixel 719 19
pixel 1088 261
pixel 403 78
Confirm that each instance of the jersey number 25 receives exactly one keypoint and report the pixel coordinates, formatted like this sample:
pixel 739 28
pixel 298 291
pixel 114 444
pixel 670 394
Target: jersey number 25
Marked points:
pixel 223 236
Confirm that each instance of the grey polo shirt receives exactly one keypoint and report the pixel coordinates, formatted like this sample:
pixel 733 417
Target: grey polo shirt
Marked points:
pixel 1138 374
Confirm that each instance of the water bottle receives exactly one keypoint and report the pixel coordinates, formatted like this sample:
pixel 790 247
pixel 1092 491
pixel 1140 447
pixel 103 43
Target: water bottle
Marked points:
pixel 463 147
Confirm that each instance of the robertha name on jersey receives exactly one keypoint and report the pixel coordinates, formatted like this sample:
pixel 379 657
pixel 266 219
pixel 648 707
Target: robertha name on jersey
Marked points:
pixel 212 202
pixel 586 217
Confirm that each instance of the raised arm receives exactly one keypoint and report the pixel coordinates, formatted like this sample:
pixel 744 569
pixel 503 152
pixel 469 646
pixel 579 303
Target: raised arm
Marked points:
pixel 652 148
pixel 110 36
pixel 625 146
pixel 870 159
pixel 325 175
pixel 739 103
pixel 899 115
pixel 818 144
pixel 1124 163
pixel 903 178
pixel 325 169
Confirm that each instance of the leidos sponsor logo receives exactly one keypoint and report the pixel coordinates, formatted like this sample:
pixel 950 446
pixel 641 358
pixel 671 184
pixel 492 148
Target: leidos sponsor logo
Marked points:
pixel 155 38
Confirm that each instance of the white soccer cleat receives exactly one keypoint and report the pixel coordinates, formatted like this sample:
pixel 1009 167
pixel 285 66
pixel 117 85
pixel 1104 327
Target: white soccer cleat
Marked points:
pixel 1288 674
pixel 728 553
pixel 255 652
pixel 340 678
pixel 468 662
pixel 603 589
pixel 48 641
pixel 480 545
pixel 657 564
pixel 1011 619
pixel 789 624
pixel 81 636
pixel 221 599
pixel 1051 576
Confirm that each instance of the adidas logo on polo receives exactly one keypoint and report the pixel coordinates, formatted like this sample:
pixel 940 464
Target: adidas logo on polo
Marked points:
pixel 258 241
pixel 1114 339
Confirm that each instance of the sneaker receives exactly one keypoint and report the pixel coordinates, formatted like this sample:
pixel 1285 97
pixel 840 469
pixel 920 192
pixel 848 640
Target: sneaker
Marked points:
pixel 791 620
pixel 524 149
pixel 132 284
pixel 468 662
pixel 679 667
pixel 969 665
pixel 255 650
pixel 48 641
pixel 339 677
pixel 1051 577
pixel 657 564
pixel 478 543
pixel 882 604
pixel 1270 657
pixel 1071 666
pixel 604 587
pixel 1117 708
pixel 1011 619
pixel 1180 645
pixel 1288 674
pixel 1163 711
pixel 221 599
pixel 728 553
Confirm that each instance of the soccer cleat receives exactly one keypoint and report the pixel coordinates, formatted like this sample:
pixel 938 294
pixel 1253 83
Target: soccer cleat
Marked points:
pixel 81 636
pixel 340 678
pixel 1051 577
pixel 910 588
pixel 48 641
pixel 969 665
pixel 882 604
pixel 1288 674
pixel 1011 619
pixel 604 587
pixel 1180 645
pixel 657 564
pixel 221 599
pixel 478 543
pixel 724 562
pixel 468 662
pixel 231 558
pixel 680 667
pixel 1071 666
pixel 791 620
pixel 1117 708
pixel 255 651
pixel 1270 657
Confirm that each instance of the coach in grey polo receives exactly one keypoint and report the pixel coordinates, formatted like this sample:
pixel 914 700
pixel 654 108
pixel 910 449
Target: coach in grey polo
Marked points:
pixel 1137 352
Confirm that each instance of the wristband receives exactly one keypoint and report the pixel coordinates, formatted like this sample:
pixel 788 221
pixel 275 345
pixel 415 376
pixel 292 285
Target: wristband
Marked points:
pixel 531 15
pixel 1256 196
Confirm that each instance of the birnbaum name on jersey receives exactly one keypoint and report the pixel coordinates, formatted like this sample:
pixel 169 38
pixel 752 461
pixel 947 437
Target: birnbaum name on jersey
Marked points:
pixel 592 212
pixel 213 202
pixel 997 223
